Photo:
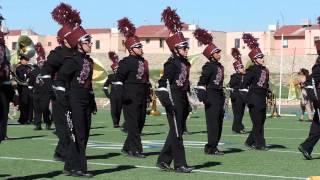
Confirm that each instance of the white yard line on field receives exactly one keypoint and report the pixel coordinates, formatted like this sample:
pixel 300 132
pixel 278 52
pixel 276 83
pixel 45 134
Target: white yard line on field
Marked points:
pixel 187 146
pixel 152 167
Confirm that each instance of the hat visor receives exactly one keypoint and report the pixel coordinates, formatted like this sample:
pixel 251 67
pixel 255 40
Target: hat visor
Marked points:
pixel 216 50
pixel 183 44
pixel 137 45
pixel 260 55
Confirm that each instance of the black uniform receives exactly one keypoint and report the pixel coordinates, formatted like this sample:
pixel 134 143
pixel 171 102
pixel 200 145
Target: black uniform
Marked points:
pixel 257 78
pixel 6 95
pixel 238 97
pixel 25 94
pixel 212 79
pixel 133 73
pixel 314 133
pixel 77 72
pixel 55 60
pixel 115 99
pixel 176 70
pixel 41 98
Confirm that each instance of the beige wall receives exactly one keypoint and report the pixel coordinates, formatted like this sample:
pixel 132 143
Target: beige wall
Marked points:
pixel 309 41
pixel 296 46
pixel 264 39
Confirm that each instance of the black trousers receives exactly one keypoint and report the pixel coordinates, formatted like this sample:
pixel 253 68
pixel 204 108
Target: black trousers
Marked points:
pixel 81 121
pixel 214 110
pixel 135 111
pixel 116 107
pixel 173 149
pixel 41 108
pixel 25 105
pixel 59 110
pixel 257 111
pixel 4 111
pixel 314 134
pixel 238 107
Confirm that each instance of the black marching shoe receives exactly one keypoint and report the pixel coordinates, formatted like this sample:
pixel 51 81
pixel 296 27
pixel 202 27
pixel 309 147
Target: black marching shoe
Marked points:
pixel 164 166
pixel 183 169
pixel 217 152
pixel 249 146
pixel 138 155
pixel 305 153
pixel 126 152
pixel 67 172
pixel 116 126
pixel 261 148
pixel 81 174
pixel 212 151
pixel 48 126
pixel 38 128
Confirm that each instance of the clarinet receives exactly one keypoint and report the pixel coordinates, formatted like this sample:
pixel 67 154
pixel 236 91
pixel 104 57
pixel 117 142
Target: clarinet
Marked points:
pixel 173 113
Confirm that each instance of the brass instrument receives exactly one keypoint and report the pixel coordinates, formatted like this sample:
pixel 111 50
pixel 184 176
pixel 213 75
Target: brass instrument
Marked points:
pixel 272 105
pixel 25 48
pixel 154 111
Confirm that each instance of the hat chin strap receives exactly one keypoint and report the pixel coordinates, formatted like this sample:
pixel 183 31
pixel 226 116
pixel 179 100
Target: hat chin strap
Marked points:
pixel 131 49
pixel 177 54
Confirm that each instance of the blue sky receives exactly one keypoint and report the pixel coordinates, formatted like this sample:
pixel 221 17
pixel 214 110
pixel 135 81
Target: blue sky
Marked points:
pixel 223 15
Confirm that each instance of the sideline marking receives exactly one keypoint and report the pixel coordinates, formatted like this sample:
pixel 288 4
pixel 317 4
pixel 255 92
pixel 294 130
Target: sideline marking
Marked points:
pixel 152 167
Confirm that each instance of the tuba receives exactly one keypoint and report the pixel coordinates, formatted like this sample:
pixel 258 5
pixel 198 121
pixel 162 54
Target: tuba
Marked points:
pixel 25 48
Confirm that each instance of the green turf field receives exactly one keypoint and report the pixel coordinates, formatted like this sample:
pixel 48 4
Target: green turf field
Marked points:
pixel 29 154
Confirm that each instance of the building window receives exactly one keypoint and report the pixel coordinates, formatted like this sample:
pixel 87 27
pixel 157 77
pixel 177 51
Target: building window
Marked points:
pixel 49 44
pixel 97 44
pixel 14 46
pixel 237 43
pixel 285 43
pixel 147 41
pixel 161 43
pixel 123 43
pixel 199 44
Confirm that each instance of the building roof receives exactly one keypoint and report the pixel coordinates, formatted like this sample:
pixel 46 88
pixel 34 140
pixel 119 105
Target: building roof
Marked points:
pixel 98 30
pixel 18 32
pixel 293 30
pixel 157 31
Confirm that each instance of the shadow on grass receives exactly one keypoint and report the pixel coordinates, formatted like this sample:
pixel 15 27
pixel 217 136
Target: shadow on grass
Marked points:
pixel 151 153
pixel 207 164
pixel 96 134
pixel 37 176
pixel 198 132
pixel 154 125
pixel 26 137
pixel 150 134
pixel 98 127
pixel 4 175
pixel 118 168
pixel 276 146
pixel 232 150
pixel 104 156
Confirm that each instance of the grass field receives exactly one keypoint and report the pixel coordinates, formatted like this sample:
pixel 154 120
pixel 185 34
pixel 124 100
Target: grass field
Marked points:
pixel 29 154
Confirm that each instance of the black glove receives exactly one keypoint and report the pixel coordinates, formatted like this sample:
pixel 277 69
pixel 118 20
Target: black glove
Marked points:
pixel 106 92
pixel 164 98
pixel 201 94
pixel 93 105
